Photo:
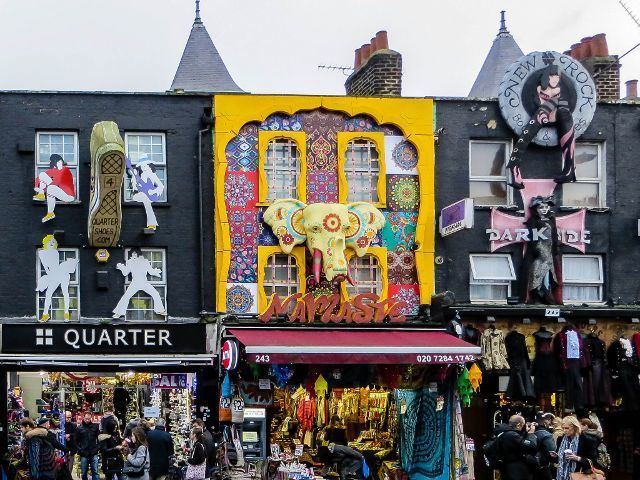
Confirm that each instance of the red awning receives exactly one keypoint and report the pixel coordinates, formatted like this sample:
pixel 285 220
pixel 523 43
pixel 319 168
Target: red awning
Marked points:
pixel 333 346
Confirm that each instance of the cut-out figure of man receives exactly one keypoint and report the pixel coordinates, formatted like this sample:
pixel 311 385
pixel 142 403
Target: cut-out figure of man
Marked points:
pixel 55 183
pixel 146 186
pixel 138 267
pixel 56 274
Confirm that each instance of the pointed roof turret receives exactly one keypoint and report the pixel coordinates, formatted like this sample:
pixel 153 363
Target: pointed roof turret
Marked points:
pixel 201 68
pixel 502 54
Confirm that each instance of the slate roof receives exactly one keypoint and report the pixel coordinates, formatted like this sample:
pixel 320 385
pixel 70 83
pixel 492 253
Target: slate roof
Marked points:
pixel 201 68
pixel 503 53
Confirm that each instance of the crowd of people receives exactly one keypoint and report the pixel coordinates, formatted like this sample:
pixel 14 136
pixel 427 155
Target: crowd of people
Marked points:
pixel 142 451
pixel 547 449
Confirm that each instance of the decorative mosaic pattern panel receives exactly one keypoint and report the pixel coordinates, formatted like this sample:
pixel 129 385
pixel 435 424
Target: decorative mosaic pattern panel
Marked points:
pixel 279 122
pixel 322 186
pixel 399 229
pixel 244 263
pixel 241 190
pixel 242 151
pixel 321 127
pixel 409 294
pixel 401 156
pixel 402 266
pixel 242 298
pixel 403 193
pixel 244 227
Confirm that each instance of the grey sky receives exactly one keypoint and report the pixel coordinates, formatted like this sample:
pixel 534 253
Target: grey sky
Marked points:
pixel 275 46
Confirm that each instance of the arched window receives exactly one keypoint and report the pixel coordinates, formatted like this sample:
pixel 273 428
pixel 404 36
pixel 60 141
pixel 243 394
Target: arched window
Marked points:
pixel 366 274
pixel 281 275
pixel 362 170
pixel 282 169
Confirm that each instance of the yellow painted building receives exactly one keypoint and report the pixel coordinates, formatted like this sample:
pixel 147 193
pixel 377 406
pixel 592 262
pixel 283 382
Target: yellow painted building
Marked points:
pixel 334 151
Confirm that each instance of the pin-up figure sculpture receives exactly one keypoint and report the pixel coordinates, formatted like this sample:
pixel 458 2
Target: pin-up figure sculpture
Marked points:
pixel 56 275
pixel 55 183
pixel 146 187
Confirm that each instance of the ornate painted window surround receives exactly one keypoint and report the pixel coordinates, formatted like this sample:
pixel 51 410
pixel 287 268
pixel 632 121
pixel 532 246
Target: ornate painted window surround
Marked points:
pixel 263 256
pixel 343 185
pixel 300 139
pixel 413 116
pixel 380 253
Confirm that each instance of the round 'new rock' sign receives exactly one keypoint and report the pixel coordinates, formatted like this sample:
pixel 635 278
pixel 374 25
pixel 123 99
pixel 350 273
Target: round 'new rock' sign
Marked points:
pixel 542 83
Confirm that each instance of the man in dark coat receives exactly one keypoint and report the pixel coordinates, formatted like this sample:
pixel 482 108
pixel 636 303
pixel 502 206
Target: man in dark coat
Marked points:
pixel 70 428
pixel 546 447
pixel 517 445
pixel 160 449
pixel 86 439
pixel 38 451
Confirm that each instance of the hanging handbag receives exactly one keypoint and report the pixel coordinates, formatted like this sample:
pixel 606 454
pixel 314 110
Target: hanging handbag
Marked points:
pixel 594 474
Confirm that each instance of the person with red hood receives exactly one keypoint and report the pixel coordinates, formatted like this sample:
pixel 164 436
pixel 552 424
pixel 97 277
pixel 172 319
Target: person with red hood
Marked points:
pixel 54 184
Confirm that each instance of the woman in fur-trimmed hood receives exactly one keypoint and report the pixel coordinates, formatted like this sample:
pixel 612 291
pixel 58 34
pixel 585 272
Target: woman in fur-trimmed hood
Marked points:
pixel 38 451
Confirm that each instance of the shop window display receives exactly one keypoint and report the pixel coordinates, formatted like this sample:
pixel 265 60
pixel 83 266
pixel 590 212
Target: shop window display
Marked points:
pixel 62 399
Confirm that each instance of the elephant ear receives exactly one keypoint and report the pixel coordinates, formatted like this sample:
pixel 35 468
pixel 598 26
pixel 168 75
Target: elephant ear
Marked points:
pixel 364 222
pixel 285 217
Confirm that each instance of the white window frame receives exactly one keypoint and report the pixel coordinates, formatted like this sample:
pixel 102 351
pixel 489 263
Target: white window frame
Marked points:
pixel 488 178
pixel 162 282
pixel 293 172
pixel 76 284
pixel 600 179
pixel 158 165
pixel 367 262
pixel 44 163
pixel 599 284
pixel 497 280
pixel 293 275
pixel 351 172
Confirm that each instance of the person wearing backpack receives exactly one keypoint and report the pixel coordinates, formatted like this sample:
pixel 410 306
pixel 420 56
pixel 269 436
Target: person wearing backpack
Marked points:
pixel 546 445
pixel 589 428
pixel 512 450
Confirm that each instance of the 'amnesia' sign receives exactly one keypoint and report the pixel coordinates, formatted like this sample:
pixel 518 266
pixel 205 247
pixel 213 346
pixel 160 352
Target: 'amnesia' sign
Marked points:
pixel 104 339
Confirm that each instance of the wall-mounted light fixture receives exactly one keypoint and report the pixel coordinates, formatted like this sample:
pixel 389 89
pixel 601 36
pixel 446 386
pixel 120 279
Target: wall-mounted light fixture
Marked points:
pixel 562 320
pixel 491 319
pixel 592 321
pixel 635 320
pixel 526 321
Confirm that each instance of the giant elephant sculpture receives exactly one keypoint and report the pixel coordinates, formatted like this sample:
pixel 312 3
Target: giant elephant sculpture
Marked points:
pixel 327 229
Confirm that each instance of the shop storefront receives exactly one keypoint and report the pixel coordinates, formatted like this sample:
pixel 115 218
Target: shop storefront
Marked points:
pixel 390 394
pixel 131 371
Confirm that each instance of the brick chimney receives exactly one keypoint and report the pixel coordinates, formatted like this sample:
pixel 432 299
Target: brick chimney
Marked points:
pixel 593 53
pixel 632 90
pixel 377 70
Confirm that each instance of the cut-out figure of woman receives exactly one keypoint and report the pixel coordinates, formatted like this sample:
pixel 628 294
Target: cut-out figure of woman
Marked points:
pixel 138 267
pixel 553 110
pixel 56 274
pixel 146 186
pixel 53 184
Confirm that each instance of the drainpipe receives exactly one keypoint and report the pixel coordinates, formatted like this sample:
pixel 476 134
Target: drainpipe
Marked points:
pixel 200 222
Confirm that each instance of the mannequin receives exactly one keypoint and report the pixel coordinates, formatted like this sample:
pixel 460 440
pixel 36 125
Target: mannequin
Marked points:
pixel 520 385
pixel 471 334
pixel 597 385
pixel 567 346
pixel 623 365
pixel 454 326
pixel 545 365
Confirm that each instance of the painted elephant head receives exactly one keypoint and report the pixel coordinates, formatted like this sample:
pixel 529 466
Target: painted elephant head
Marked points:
pixel 327 229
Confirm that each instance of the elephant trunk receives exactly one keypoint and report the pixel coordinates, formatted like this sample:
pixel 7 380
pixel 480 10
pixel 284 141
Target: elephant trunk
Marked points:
pixel 317 264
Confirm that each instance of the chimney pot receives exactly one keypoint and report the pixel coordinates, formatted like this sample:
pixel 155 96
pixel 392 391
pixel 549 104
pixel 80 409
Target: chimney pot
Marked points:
pixel 365 51
pixel 356 61
pixel 632 89
pixel 374 46
pixel 382 41
pixel 599 46
pixel 567 52
pixel 574 50
pixel 586 52
pixel 580 51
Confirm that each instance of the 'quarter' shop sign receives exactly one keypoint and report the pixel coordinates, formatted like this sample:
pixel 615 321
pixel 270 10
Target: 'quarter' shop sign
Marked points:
pixel 104 339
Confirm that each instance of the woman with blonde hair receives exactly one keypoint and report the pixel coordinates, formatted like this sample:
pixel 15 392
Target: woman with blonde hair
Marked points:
pixel 576 452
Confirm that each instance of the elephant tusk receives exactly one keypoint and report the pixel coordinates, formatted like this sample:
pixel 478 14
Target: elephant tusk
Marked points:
pixel 317 264
pixel 349 279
